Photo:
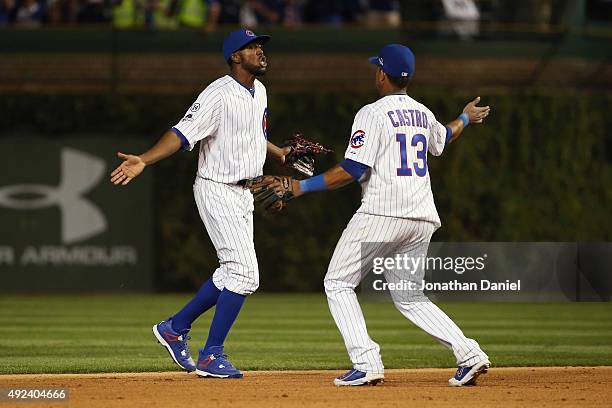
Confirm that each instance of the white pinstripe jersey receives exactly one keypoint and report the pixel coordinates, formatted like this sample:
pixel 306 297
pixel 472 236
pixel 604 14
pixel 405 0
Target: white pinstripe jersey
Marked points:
pixel 231 126
pixel 392 136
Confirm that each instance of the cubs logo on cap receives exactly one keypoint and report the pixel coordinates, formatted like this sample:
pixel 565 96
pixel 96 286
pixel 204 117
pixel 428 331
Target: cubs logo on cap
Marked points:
pixel 236 40
pixel 396 60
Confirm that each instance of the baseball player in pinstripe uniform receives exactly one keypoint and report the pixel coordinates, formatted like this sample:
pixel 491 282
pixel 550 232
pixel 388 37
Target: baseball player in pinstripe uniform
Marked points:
pixel 229 119
pixel 387 154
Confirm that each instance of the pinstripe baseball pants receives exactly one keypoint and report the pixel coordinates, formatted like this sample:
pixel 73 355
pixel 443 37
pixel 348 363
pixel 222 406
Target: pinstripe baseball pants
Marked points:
pixel 227 213
pixel 387 236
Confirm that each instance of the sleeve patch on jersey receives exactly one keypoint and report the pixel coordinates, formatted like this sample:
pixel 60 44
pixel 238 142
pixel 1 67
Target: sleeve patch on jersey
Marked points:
pixel 195 107
pixel 187 118
pixel 357 139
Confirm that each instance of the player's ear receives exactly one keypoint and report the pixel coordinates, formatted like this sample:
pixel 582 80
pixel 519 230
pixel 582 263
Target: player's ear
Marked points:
pixel 235 58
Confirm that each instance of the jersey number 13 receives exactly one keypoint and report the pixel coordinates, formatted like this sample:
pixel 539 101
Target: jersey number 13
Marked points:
pixel 420 143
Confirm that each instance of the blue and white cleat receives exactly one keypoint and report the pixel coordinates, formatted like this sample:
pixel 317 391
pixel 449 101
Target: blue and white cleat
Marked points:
pixel 216 365
pixel 468 375
pixel 175 343
pixel 356 377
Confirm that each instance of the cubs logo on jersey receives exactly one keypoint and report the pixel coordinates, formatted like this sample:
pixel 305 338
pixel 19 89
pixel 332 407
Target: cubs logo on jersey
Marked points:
pixel 357 139
pixel 264 123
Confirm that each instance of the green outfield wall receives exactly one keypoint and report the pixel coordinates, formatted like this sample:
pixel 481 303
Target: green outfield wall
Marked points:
pixel 540 169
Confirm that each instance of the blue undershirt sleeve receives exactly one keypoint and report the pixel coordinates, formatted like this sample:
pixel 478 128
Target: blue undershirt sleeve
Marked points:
pixel 449 135
pixel 354 168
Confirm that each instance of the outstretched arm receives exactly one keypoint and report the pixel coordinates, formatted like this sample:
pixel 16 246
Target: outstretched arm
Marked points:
pixel 471 114
pixel 133 165
pixel 338 176
pixel 272 192
pixel 332 179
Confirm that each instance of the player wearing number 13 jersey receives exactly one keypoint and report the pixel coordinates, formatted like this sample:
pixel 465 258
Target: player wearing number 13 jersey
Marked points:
pixel 392 137
pixel 387 155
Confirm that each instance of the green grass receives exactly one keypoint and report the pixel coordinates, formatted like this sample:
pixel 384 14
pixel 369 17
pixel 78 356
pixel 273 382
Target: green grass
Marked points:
pixel 61 334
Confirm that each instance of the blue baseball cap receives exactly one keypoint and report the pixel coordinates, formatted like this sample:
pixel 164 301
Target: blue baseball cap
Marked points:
pixel 396 60
pixel 240 39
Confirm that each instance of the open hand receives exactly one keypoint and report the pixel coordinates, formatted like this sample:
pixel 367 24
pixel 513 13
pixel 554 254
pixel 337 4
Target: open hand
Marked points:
pixel 126 171
pixel 476 113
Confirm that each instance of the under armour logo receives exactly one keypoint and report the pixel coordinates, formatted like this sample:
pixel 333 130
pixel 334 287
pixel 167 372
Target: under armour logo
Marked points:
pixel 80 172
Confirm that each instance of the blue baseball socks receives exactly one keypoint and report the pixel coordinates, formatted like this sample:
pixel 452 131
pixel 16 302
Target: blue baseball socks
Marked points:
pixel 203 300
pixel 228 307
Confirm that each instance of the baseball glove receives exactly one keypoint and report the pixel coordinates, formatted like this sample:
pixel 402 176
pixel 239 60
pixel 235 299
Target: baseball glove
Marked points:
pixel 271 192
pixel 301 158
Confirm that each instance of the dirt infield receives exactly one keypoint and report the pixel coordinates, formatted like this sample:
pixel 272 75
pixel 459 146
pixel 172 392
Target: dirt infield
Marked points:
pixel 565 386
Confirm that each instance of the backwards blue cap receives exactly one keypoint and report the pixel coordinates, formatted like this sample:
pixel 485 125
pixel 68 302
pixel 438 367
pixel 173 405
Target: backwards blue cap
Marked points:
pixel 239 39
pixel 396 60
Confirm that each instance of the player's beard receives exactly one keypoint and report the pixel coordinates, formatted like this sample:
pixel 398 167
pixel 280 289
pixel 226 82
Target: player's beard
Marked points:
pixel 255 69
